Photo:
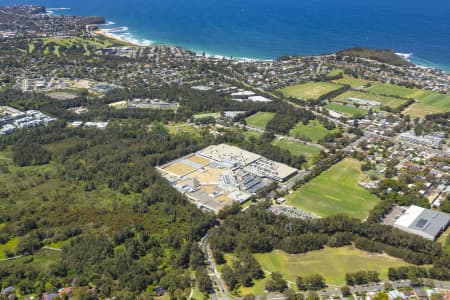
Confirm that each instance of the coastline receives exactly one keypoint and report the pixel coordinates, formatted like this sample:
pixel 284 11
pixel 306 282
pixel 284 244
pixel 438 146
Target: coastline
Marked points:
pixel 124 36
pixel 134 41
pixel 107 33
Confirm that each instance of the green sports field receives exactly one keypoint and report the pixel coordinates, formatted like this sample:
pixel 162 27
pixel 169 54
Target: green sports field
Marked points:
pixel 297 149
pixel 260 119
pixel 206 115
pixel 335 191
pixel 309 90
pixel 396 90
pixel 314 130
pixel 428 102
pixel 353 82
pixel 432 103
pixel 332 263
pixel 347 109
pixel 384 100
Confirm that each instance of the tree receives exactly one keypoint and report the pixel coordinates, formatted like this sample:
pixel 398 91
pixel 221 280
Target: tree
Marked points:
pixel 196 258
pixel 301 285
pixel 249 297
pixel 373 276
pixel 312 296
pixel 292 295
pixel 437 296
pixel 349 279
pixel 315 282
pixel 360 277
pixel 203 281
pixel 29 244
pixel 381 296
pixel 27 153
pixel 218 257
pixel 229 277
pixel 276 283
pixel 345 290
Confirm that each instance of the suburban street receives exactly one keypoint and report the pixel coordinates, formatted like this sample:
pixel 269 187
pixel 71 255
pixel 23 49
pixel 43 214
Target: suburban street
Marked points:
pixel 213 272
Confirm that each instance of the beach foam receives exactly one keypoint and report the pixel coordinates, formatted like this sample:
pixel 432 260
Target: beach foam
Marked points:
pixel 423 63
pixel 59 8
pixel 406 56
pixel 270 29
pixel 123 33
pixel 426 64
pixel 119 29
pixel 54 10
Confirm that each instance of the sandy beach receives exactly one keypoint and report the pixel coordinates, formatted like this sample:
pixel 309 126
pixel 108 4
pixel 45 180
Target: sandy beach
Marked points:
pixel 108 34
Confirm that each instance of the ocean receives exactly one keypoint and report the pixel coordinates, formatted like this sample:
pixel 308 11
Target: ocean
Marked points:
pixel 267 29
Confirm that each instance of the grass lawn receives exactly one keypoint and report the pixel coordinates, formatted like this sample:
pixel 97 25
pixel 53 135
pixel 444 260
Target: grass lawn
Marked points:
pixel 444 240
pixel 9 246
pixel 314 130
pixel 59 244
pixel 309 90
pixel 384 100
pixel 332 263
pixel 347 109
pixel 334 72
pixel 246 204
pixel 257 289
pixel 335 191
pixel 260 119
pixel 182 128
pixel 430 104
pixel 258 286
pixel 83 44
pixel 44 258
pixel 248 134
pixel 396 90
pixel 6 155
pixel 353 82
pixel 197 295
pixel 298 149
pixel 207 115
pixel 56 51
pixel 30 47
pixel 119 104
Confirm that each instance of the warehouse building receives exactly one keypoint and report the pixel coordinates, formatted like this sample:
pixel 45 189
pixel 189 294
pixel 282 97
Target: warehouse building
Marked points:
pixel 424 222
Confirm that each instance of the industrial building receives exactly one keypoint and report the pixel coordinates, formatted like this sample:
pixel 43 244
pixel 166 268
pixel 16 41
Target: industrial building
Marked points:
pixel 421 221
pixel 219 175
pixel 364 101
pixel 12 119
pixel 433 141
pixel 152 104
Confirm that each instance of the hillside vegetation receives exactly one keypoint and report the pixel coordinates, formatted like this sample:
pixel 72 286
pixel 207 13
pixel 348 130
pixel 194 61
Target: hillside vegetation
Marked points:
pixel 383 55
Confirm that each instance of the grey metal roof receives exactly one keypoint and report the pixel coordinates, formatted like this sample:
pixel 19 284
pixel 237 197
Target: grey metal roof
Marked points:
pixel 430 223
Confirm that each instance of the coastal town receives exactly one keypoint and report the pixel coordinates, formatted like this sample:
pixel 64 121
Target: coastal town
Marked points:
pixel 154 172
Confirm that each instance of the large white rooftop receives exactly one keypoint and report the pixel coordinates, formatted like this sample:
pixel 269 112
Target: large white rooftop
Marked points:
pixel 409 216
pixel 229 154
pixel 427 223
